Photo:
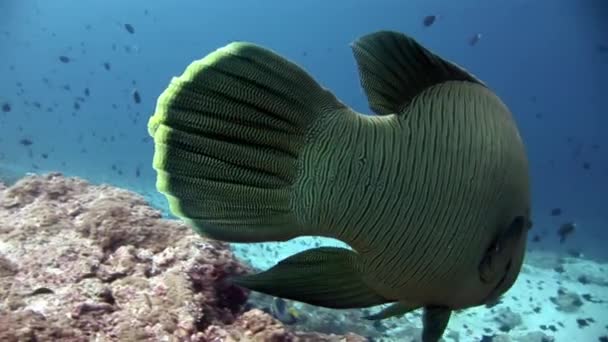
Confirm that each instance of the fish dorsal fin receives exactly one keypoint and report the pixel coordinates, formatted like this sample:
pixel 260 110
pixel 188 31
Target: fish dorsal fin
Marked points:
pixel 394 68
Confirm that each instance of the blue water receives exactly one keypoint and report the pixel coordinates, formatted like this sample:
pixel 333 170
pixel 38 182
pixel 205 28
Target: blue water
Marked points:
pixel 547 59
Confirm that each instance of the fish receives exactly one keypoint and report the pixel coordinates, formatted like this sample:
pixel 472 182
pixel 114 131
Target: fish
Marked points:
pixel 565 230
pixel 429 20
pixel 556 211
pixel 284 313
pixel 129 28
pixel 431 192
pixel 475 39
pixel 136 96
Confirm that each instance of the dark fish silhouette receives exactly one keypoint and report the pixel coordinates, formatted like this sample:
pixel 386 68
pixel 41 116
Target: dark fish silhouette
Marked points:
pixel 565 230
pixel 129 28
pixel 475 39
pixel 429 20
pixel 136 96
pixel 556 211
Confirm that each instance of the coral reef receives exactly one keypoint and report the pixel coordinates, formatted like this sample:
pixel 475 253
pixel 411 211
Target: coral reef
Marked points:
pixel 81 262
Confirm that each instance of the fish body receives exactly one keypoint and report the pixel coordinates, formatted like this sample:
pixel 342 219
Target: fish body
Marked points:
pixel 566 230
pixel 429 20
pixel 398 193
pixel 431 193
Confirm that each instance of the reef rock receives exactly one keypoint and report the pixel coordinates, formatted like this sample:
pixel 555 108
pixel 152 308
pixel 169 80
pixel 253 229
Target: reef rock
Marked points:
pixel 81 262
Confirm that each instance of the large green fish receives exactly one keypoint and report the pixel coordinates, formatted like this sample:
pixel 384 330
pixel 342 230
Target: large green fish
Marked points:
pixel 431 193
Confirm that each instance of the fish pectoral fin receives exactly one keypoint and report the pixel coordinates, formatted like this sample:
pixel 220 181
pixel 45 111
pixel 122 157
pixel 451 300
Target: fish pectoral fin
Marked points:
pixel 324 276
pixel 396 309
pixel 498 256
pixel 394 68
pixel 434 321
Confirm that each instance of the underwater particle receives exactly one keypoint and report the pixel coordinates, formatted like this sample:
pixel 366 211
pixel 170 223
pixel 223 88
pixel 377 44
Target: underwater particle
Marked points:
pixel 136 96
pixel 129 28
pixel 565 230
pixel 429 20
pixel 26 142
pixel 107 66
pixel 6 107
pixel 64 59
pixel 556 211
pixel 475 39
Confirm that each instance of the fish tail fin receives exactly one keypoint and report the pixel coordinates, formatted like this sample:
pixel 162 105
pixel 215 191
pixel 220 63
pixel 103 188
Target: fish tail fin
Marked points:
pixel 228 133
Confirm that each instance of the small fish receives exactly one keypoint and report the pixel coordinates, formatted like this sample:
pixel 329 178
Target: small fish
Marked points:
pixel 475 39
pixel 282 312
pixel 250 148
pixel 6 107
pixel 429 20
pixel 556 211
pixel 87 92
pixel 107 66
pixel 130 28
pixel 64 59
pixel 136 96
pixel 566 230
pixel 26 142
